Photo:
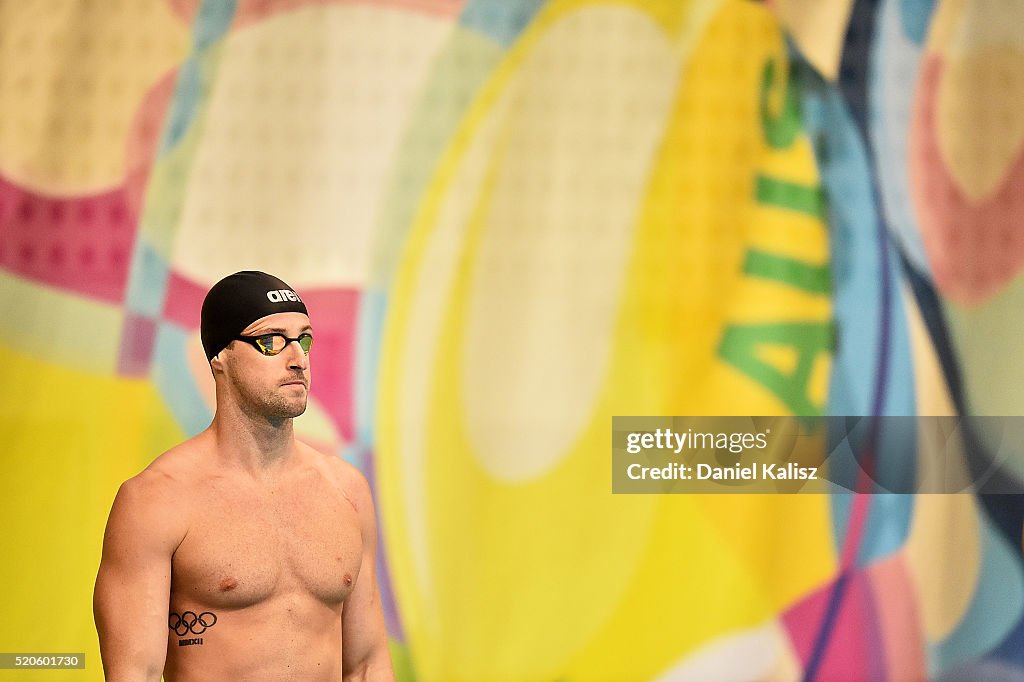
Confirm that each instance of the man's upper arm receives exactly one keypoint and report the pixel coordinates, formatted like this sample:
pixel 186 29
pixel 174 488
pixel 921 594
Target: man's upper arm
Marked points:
pixel 365 654
pixel 134 580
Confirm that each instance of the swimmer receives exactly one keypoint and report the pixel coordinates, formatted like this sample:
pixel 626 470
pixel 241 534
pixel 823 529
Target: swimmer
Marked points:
pixel 242 553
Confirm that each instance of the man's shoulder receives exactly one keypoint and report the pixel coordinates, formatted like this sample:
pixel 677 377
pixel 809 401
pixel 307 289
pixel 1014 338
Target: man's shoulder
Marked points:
pixel 166 477
pixel 150 508
pixel 345 475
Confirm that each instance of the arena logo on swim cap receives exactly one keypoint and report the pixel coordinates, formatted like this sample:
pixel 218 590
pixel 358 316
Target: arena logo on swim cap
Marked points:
pixel 279 295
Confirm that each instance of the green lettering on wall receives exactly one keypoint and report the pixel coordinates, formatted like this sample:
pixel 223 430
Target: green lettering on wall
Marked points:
pixel 740 346
pixel 814 279
pixel 780 130
pixel 809 199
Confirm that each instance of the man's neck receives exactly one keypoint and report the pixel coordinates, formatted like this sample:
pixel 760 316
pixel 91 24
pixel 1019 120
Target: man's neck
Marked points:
pixel 256 443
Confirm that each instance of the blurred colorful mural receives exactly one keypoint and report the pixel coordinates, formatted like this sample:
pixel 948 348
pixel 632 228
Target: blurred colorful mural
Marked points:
pixel 511 220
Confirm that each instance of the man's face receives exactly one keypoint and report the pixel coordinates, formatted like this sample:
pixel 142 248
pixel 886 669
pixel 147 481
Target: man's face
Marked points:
pixel 270 386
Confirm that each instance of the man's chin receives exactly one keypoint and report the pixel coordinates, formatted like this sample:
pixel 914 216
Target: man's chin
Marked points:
pixel 287 411
pixel 293 411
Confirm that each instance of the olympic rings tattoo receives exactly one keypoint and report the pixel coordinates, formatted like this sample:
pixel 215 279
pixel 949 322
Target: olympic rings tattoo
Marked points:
pixel 190 622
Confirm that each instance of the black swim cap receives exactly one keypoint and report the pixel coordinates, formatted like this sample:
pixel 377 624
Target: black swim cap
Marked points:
pixel 237 301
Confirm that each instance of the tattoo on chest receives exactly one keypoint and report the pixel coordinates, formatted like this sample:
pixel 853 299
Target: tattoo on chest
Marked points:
pixel 189 622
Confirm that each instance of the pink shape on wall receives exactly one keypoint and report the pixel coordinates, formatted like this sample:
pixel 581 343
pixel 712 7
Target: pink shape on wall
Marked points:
pixel 975 249
pixel 252 11
pixel 853 649
pixel 137 342
pixel 82 244
pixel 144 139
pixel 898 617
pixel 184 300
pixel 333 313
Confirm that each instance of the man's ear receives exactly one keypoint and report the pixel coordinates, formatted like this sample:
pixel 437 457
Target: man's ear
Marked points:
pixel 216 364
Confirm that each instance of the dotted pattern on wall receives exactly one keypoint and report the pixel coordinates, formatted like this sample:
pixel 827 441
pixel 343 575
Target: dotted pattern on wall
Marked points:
pixel 511 220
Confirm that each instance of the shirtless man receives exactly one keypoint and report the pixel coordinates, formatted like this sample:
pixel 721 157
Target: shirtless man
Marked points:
pixel 243 554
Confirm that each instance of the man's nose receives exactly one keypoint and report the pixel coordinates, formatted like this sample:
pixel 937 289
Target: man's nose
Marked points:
pixel 297 357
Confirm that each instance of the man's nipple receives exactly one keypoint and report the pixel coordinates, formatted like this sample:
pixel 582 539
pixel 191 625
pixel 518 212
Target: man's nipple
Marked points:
pixel 228 584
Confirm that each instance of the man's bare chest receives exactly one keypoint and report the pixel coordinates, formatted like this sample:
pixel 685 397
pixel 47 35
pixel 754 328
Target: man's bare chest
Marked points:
pixel 244 547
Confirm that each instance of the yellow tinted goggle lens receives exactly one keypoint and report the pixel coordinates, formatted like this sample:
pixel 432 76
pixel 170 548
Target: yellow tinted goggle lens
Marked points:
pixel 272 344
